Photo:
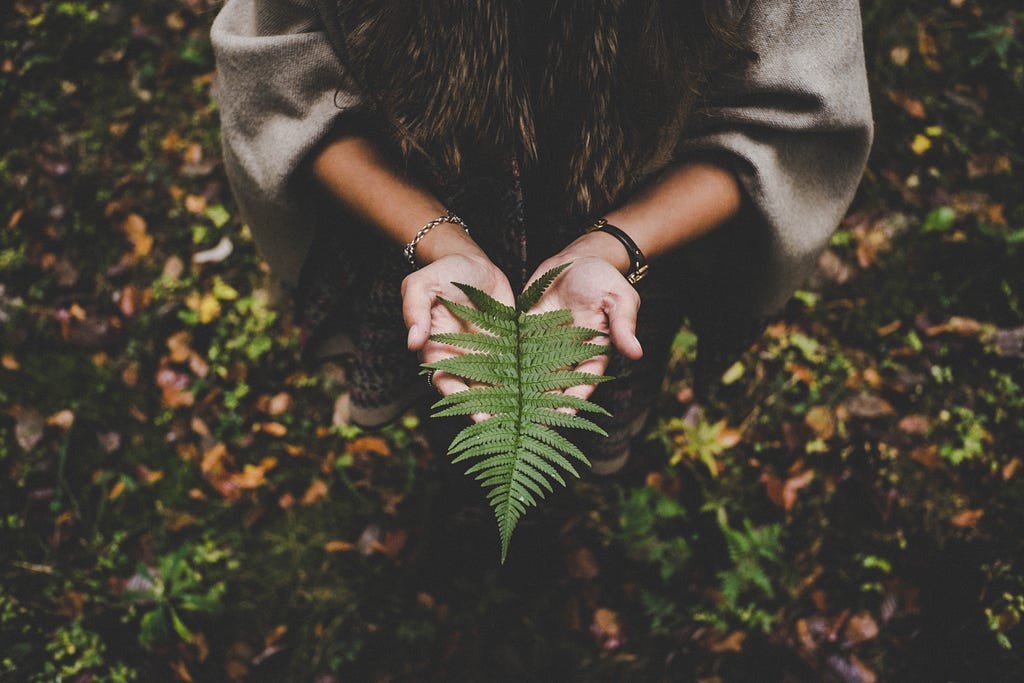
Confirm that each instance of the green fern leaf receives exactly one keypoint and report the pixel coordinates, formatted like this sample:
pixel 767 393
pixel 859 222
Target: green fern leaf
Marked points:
pixel 521 358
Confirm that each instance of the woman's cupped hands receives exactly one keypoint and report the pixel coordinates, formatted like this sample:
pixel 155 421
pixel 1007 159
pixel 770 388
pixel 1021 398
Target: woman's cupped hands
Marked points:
pixel 592 288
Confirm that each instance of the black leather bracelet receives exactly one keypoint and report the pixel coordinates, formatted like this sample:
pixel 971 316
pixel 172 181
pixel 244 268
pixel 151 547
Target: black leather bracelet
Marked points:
pixel 637 261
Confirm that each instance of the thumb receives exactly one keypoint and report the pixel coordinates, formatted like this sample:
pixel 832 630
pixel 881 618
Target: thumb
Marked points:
pixel 416 303
pixel 622 326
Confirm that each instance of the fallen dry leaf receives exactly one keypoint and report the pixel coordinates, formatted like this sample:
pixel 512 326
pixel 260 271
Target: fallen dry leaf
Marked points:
pixel 927 456
pixel 63 420
pixel 134 228
pixel 821 422
pixel 732 642
pixel 180 346
pixel 28 428
pixel 792 488
pixel 606 629
pixel 967 519
pixel 860 627
pixel 964 327
pixel 273 428
pixel 368 445
pixel 582 564
pixel 316 491
pixel 279 403
pixel 338 546
pixel 868 406
pixel 915 424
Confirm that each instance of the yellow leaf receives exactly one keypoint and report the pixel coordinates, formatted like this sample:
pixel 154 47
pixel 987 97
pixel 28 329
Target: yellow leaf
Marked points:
pixel 921 144
pixel 733 374
pixel 209 308
pixel 933 131
pixel 116 490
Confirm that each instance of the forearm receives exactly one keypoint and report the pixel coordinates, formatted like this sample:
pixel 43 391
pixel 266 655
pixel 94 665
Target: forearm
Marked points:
pixel 686 202
pixel 355 173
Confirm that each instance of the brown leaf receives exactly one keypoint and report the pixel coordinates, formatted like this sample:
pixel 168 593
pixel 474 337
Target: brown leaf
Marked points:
pixel 215 460
pixel 773 487
pixel 179 345
pixel 860 627
pixel 61 420
pixel 821 422
pixel 338 546
pixel 174 267
pixel 989 163
pixel 967 519
pixel 1011 468
pixel 394 542
pixel 195 204
pixel 911 105
pixel 9 362
pixel 927 456
pixel 316 491
pixel 181 671
pixel 368 445
pixel 28 428
pixel 606 629
pixel 868 406
pixel 176 521
pixel 964 327
pixel 273 429
pixel 729 643
pixel 146 475
pixel 174 387
pixel 927 48
pixel 134 228
pixel 915 424
pixel 582 564
pixel 254 476
pixel 793 486
pixel 279 403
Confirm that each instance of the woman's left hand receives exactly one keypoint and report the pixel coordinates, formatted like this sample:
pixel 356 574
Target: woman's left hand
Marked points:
pixel 599 297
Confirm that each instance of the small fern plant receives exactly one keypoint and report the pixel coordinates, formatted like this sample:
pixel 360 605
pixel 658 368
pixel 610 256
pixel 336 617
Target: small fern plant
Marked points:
pixel 523 360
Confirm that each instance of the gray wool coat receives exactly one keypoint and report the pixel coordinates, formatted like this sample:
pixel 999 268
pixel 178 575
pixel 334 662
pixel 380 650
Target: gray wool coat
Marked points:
pixel 799 120
pixel 795 126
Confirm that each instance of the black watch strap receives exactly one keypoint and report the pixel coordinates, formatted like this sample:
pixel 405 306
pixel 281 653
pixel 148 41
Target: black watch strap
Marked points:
pixel 637 261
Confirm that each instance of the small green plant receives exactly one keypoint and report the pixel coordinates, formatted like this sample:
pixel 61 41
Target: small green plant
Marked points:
pixel 523 360
pixel 168 589
pixel 755 552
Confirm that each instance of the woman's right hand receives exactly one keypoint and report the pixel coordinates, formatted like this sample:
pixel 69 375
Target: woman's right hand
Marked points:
pixel 425 315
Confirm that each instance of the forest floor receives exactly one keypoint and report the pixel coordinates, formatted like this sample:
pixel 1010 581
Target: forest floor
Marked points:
pixel 182 499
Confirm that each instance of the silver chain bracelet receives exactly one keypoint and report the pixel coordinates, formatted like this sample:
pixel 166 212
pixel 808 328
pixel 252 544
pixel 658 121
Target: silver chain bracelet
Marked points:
pixel 410 249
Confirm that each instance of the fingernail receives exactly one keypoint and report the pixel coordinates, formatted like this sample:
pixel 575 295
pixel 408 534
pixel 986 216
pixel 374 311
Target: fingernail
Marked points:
pixel 414 332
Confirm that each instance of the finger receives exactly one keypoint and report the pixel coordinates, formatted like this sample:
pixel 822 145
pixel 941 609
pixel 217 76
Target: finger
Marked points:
pixel 416 303
pixel 448 384
pixel 594 366
pixel 622 324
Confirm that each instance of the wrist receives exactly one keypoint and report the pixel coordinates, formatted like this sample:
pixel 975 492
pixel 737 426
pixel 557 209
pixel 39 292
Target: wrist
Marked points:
pixel 599 245
pixel 445 239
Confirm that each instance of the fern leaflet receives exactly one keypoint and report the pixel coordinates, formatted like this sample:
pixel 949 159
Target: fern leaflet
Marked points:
pixel 524 361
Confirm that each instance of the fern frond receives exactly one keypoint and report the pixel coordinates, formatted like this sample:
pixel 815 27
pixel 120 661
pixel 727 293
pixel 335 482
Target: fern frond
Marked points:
pixel 521 357
pixel 529 298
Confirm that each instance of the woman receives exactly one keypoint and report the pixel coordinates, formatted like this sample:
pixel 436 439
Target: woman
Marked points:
pixel 381 149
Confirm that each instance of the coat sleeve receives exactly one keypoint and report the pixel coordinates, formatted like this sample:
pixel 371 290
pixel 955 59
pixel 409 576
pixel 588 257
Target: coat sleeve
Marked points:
pixel 795 121
pixel 277 80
